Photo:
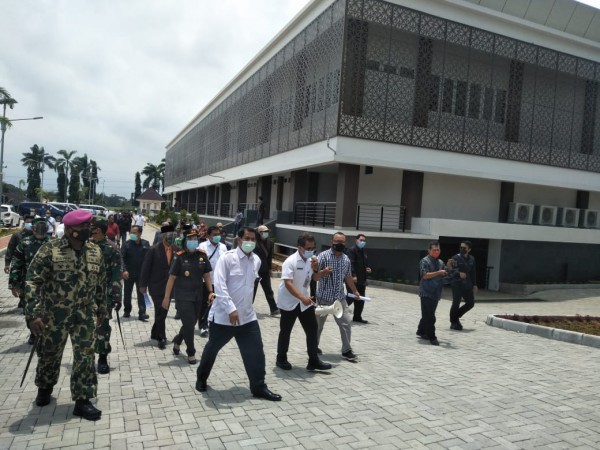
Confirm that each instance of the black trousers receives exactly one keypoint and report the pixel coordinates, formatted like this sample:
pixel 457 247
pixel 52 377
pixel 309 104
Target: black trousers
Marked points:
pixel 458 293
pixel 427 322
pixel 250 343
pixel 158 331
pixel 188 312
pixel 127 290
pixel 265 282
pixel 308 320
pixel 359 305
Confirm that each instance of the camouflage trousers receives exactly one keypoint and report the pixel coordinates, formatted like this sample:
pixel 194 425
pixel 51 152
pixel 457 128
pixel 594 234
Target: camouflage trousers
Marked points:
pixel 80 325
pixel 103 334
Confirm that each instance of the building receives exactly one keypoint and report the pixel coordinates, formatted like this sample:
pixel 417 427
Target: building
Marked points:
pixel 150 202
pixel 413 120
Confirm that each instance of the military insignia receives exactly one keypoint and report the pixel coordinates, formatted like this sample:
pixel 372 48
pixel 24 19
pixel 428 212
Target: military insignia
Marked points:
pixel 186 273
pixel 201 259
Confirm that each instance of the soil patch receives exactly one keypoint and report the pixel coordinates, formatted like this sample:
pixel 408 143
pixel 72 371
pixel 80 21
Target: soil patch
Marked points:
pixel 580 324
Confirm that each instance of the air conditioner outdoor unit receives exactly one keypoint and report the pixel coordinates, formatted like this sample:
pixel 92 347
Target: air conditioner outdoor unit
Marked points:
pixel 545 215
pixel 520 213
pixel 589 218
pixel 568 217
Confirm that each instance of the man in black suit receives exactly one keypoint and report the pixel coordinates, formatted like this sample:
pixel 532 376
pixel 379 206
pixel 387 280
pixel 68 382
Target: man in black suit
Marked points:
pixel 153 278
pixel 360 270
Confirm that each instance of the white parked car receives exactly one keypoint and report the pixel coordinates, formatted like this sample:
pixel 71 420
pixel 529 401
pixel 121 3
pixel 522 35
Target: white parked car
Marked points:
pixel 8 216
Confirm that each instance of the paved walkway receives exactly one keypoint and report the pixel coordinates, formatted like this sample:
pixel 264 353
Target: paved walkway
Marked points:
pixel 483 387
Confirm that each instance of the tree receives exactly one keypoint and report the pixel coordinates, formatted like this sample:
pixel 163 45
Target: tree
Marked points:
pixel 138 188
pixel 64 164
pixel 74 185
pixel 88 171
pixel 155 176
pixel 35 162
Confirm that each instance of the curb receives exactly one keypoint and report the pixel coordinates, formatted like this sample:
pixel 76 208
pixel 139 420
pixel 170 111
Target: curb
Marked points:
pixel 546 332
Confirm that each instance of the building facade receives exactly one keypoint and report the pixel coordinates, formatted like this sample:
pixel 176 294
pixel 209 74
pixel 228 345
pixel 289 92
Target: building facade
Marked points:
pixel 411 121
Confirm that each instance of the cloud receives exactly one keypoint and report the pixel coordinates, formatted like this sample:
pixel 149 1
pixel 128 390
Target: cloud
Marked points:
pixel 118 79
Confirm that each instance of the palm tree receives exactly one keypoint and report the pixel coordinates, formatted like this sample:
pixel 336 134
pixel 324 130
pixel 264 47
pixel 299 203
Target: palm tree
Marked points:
pixel 35 162
pixel 88 169
pixel 63 165
pixel 155 175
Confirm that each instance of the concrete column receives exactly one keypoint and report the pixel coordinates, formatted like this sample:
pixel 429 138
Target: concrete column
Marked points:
pixel 347 195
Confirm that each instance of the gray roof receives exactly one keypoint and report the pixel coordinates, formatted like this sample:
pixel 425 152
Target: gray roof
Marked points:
pixel 150 195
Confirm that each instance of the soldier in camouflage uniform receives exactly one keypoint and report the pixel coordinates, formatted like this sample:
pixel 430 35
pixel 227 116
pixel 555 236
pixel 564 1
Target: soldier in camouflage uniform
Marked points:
pixel 65 296
pixel 12 246
pixel 114 271
pixel 23 255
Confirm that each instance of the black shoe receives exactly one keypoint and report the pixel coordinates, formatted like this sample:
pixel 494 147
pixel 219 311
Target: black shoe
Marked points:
pixel 162 343
pixel 349 355
pixel 126 314
pixel 143 317
pixel 434 341
pixel 43 396
pixel 360 320
pixel 275 312
pixel 422 335
pixel 317 365
pixel 285 365
pixel 265 393
pixel 201 385
pixel 103 366
pixel 456 326
pixel 176 349
pixel 31 339
pixel 319 351
pixel 85 409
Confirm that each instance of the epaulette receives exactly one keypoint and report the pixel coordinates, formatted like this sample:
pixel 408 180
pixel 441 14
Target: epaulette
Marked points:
pixel 180 252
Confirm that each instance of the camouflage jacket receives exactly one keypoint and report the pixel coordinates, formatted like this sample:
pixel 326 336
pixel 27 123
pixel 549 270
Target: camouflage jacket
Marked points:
pixel 62 279
pixel 113 264
pixel 12 245
pixel 22 256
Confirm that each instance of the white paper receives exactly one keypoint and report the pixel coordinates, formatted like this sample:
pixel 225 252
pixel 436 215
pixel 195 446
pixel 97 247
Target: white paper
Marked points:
pixel 366 299
pixel 149 303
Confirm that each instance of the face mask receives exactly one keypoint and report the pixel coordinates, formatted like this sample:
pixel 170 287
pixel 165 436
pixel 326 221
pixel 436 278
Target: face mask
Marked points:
pixel 248 246
pixel 309 254
pixel 82 235
pixel 169 239
pixel 339 247
pixel 463 251
pixel 216 239
pixel 133 237
pixel 191 245
pixel 265 234
pixel 361 244
pixel 27 226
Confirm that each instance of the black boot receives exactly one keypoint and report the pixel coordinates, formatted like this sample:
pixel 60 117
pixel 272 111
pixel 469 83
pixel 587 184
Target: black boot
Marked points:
pixel 103 364
pixel 317 364
pixel 43 396
pixel 85 409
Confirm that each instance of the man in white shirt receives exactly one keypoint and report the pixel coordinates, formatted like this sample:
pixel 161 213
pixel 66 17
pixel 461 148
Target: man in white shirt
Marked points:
pixel 140 220
pixel 294 302
pixel 214 249
pixel 51 221
pixel 232 316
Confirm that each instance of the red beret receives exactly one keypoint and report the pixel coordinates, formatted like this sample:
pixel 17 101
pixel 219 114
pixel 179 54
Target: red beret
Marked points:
pixel 77 217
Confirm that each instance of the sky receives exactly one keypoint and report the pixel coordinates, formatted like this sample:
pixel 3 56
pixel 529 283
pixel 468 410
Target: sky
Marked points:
pixel 119 79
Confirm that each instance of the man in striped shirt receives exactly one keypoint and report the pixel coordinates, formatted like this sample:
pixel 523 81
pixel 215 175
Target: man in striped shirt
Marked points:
pixel 334 270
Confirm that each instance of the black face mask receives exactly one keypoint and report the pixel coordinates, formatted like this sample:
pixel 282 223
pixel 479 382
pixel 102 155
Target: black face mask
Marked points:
pixel 463 252
pixel 82 235
pixel 339 247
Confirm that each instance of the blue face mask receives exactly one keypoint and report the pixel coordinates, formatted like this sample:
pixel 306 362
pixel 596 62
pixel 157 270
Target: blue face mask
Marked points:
pixel 265 234
pixel 361 244
pixel 133 237
pixel 216 239
pixel 191 245
pixel 309 254
pixel 28 226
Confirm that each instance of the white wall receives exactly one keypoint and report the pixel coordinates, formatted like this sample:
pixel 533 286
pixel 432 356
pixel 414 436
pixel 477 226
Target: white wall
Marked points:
pixel 383 186
pixel 251 195
pixel 460 198
pixel 494 258
pixel 544 195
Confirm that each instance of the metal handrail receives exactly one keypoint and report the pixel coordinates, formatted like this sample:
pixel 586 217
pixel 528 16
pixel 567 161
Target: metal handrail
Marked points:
pixel 315 213
pixel 380 217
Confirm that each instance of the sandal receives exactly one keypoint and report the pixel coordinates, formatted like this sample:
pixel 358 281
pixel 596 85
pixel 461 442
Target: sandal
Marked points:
pixel 176 349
